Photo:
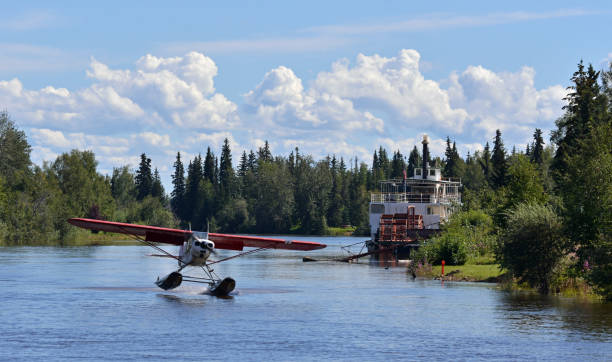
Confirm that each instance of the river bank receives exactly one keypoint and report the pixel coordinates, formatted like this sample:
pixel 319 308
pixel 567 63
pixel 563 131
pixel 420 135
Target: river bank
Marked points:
pixel 492 273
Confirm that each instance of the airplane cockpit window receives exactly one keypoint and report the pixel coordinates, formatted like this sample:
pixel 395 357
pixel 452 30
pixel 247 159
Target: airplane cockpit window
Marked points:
pixel 200 234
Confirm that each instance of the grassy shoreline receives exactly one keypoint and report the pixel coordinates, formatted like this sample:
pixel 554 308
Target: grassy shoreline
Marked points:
pixel 491 273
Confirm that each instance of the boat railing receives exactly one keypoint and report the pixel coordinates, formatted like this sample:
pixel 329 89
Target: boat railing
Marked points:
pixel 452 179
pixel 385 197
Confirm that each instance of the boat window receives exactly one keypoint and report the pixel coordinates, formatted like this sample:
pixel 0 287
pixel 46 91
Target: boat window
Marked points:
pixel 197 243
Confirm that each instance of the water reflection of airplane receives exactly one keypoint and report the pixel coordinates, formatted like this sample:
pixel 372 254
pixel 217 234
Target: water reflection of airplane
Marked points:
pixel 195 249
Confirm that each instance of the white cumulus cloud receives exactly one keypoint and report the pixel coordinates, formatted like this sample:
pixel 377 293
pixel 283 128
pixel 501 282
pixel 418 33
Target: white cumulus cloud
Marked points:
pixel 161 92
pixel 355 98
pixel 508 101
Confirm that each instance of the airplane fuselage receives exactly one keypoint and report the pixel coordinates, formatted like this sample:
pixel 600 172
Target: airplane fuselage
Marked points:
pixel 195 251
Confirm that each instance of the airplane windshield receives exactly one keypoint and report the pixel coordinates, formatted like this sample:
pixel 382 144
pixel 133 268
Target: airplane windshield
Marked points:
pixel 200 234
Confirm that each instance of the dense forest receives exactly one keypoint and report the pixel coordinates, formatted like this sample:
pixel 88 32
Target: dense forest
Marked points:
pixel 543 211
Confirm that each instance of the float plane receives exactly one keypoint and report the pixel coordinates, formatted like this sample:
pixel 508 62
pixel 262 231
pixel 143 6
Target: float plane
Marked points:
pixel 195 249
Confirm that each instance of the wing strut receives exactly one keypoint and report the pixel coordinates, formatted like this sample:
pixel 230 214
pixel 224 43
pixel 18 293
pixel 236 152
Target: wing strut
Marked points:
pixel 237 255
pixel 138 238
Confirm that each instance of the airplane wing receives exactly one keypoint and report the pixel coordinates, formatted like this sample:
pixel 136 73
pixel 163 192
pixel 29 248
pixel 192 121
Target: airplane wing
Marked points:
pixel 177 237
pixel 150 233
pixel 237 242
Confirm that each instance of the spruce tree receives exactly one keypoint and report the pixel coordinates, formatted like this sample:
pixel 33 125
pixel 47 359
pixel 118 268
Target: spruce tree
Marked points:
pixel 144 178
pixel 252 161
pixel 226 172
pixel 157 189
pixel 398 165
pixel 449 166
pixel 192 195
pixel 375 163
pixel 334 211
pixel 586 108
pixel 243 165
pixel 414 161
pixel 498 162
pixel 538 147
pixel 485 164
pixel 209 166
pixel 459 164
pixel 454 165
pixel 178 192
pixel 383 161
pixel 264 154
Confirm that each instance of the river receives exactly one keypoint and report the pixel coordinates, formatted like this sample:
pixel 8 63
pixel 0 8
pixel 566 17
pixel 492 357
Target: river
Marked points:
pixel 99 303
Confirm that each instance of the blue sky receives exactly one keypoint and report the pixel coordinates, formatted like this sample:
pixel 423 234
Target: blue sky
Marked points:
pixel 333 77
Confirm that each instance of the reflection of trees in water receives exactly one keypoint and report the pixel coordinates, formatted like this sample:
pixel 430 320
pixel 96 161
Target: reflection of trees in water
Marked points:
pixel 529 311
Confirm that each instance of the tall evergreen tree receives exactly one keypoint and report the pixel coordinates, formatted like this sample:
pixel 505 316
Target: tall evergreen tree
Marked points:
pixel 414 161
pixel 178 191
pixel 449 165
pixel 209 166
pixel 157 189
pixel 485 163
pixel 583 171
pixel 398 165
pixel 454 165
pixel 226 172
pixel 144 178
pixel 586 108
pixel 459 167
pixel 193 198
pixel 335 210
pixel 252 161
pixel 375 163
pixel 243 166
pixel 384 163
pixel 216 173
pixel 264 154
pixel 538 147
pixel 498 162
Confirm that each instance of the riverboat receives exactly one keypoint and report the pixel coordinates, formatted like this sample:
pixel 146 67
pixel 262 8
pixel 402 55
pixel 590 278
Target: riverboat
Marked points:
pixel 406 211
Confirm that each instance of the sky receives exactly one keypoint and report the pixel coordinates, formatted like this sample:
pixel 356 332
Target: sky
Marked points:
pixel 330 77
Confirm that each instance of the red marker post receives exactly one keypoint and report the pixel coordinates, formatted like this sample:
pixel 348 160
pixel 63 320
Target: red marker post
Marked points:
pixel 443 267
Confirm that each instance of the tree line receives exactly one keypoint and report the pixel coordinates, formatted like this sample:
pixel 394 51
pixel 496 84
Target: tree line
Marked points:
pixel 561 192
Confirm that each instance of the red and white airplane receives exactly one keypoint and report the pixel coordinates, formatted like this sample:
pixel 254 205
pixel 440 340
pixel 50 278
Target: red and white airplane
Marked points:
pixel 195 248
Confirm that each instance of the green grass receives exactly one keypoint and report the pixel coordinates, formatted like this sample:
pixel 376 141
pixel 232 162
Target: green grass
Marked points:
pixel 470 272
pixel 481 260
pixel 81 238
pixel 340 231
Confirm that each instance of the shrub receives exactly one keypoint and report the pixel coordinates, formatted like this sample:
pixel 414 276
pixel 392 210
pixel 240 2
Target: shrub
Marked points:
pixel 449 247
pixel 532 244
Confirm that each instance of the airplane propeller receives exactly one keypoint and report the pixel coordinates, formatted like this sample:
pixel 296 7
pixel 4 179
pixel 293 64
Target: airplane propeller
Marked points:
pixel 212 250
